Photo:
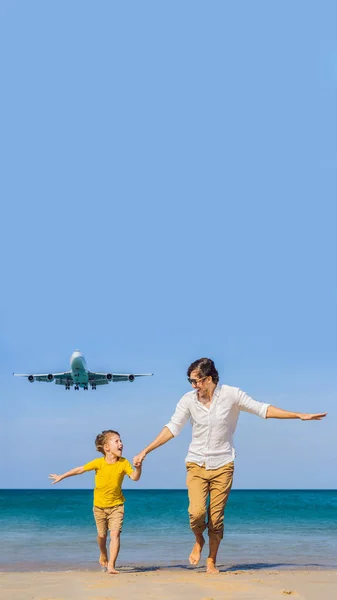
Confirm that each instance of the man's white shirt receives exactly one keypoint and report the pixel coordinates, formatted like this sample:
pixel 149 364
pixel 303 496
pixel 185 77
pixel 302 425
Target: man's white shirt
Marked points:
pixel 213 428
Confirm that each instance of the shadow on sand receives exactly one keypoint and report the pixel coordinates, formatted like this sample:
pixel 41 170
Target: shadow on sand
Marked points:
pixel 222 568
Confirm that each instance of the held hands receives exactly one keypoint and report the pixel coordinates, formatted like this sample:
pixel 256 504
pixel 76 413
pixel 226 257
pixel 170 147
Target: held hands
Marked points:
pixel 316 417
pixel 55 478
pixel 137 460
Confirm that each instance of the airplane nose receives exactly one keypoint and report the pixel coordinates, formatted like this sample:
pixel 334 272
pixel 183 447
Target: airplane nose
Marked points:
pixel 76 358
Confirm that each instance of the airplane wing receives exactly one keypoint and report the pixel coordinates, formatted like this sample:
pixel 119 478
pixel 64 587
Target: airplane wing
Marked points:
pixel 102 378
pixel 60 378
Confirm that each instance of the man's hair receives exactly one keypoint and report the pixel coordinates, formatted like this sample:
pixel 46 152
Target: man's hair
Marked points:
pixel 205 368
pixel 102 438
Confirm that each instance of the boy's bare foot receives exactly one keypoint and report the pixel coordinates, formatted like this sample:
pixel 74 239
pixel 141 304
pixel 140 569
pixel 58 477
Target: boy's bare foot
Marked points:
pixel 103 560
pixel 210 566
pixel 195 555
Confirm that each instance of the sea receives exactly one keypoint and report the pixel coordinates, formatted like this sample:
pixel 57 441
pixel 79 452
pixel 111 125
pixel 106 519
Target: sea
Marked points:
pixel 50 530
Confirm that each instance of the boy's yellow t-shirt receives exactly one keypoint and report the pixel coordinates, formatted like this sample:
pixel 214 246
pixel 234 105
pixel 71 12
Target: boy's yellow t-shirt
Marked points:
pixel 108 481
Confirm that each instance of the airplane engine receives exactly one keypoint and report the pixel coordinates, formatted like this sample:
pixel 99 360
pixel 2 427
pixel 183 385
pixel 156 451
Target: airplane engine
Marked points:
pixel 131 377
pixel 109 376
pixel 31 378
pixel 50 377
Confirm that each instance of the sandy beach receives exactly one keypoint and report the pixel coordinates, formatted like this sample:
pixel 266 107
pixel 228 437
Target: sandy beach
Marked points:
pixel 164 584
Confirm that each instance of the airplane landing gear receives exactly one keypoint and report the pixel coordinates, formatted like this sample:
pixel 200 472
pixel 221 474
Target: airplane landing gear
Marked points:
pixel 93 387
pixel 85 387
pixel 67 387
pixel 76 387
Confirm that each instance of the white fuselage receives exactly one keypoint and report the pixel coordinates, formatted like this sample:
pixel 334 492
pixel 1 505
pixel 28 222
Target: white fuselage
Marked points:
pixel 79 369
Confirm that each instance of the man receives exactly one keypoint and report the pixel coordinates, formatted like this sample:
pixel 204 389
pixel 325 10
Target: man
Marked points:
pixel 213 410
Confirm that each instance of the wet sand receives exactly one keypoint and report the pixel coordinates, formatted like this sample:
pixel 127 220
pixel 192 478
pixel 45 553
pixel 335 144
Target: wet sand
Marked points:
pixel 173 583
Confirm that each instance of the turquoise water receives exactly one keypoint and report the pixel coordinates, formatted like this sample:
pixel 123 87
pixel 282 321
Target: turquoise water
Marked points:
pixel 54 529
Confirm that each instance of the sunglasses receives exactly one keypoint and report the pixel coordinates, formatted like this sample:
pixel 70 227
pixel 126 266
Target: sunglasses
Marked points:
pixel 194 381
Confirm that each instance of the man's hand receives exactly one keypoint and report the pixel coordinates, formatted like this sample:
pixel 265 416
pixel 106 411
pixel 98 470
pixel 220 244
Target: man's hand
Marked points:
pixel 137 460
pixel 55 478
pixel 316 417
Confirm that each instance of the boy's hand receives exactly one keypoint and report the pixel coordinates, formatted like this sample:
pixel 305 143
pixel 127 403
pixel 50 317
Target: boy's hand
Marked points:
pixel 137 460
pixel 56 478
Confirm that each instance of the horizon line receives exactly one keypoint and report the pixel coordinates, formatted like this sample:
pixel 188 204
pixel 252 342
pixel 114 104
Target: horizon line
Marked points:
pixel 172 489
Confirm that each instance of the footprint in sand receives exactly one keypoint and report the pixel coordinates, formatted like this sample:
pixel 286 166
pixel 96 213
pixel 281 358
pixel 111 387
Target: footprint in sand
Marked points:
pixel 287 592
pixel 237 572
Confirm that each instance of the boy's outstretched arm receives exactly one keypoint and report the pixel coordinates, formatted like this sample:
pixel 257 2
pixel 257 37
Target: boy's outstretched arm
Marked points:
pixel 57 478
pixel 136 473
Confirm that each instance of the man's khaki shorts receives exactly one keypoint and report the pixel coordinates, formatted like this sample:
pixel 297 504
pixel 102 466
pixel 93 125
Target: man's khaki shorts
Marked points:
pixel 109 518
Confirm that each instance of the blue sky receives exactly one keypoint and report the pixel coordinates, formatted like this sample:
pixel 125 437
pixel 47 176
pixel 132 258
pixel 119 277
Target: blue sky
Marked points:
pixel 168 192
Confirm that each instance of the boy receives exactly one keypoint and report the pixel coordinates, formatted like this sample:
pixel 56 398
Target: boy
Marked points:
pixel 108 497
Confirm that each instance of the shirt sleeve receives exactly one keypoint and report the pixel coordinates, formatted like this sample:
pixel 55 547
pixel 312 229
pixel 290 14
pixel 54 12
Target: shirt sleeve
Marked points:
pixel 250 405
pixel 180 417
pixel 128 469
pixel 92 465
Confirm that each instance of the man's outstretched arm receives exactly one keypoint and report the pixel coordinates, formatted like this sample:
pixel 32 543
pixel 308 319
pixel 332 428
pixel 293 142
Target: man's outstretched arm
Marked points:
pixel 279 413
pixel 164 436
pixel 171 430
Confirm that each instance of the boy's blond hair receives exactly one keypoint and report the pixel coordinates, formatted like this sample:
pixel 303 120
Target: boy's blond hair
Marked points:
pixel 101 439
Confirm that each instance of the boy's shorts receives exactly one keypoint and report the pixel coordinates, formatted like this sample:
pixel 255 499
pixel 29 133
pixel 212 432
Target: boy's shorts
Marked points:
pixel 109 518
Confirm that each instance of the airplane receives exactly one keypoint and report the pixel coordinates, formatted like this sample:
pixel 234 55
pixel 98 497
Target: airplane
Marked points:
pixel 80 377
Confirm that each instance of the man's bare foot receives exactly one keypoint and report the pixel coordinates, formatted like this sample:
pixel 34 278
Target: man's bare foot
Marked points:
pixel 210 566
pixel 112 571
pixel 194 557
pixel 103 560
